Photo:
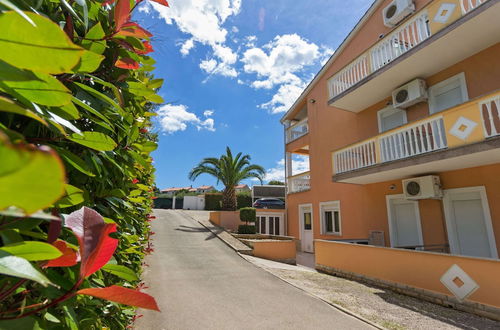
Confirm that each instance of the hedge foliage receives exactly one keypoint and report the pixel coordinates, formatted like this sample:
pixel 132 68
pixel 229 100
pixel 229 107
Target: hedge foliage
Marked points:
pixel 246 229
pixel 213 201
pixel 248 214
pixel 76 100
pixel 243 200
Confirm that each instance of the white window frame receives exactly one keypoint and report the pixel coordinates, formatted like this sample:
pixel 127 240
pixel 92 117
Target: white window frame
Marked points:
pixel 389 110
pixel 452 80
pixel 450 227
pixel 329 206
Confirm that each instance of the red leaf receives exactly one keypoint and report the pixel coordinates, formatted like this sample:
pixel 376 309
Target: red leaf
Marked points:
pixel 96 247
pixel 161 2
pixel 122 13
pixel 132 29
pixel 147 48
pixel 127 63
pixel 68 259
pixel 123 296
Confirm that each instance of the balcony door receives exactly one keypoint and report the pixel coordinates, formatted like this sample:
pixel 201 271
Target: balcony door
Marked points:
pixel 468 222
pixel 306 228
pixel 404 222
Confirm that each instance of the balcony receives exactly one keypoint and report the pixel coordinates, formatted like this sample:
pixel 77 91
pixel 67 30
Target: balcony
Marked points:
pixel 299 182
pixel 415 49
pixel 467 135
pixel 297 130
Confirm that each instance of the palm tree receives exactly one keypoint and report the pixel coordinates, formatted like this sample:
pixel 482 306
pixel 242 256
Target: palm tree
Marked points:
pixel 230 171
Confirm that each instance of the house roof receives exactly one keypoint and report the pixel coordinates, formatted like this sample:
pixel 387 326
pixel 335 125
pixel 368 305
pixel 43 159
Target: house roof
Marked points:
pixel 175 189
pixel 241 186
pixel 334 56
pixel 205 187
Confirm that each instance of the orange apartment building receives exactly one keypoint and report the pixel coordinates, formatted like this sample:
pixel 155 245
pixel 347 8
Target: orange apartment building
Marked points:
pixel 402 131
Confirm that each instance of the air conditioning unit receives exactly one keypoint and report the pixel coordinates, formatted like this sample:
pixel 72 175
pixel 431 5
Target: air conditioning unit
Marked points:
pixel 424 187
pixel 396 11
pixel 413 92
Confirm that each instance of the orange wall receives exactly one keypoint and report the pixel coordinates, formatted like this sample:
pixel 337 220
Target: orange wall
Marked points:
pixel 417 269
pixel 274 250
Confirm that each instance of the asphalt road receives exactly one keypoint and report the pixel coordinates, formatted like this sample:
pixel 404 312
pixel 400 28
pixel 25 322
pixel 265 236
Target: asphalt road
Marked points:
pixel 200 283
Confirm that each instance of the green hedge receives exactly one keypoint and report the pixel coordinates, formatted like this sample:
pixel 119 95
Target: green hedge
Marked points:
pixel 76 100
pixel 243 200
pixel 248 214
pixel 246 229
pixel 213 201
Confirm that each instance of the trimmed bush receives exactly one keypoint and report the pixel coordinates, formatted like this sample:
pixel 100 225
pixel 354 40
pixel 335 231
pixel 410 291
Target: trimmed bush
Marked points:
pixel 213 202
pixel 246 229
pixel 163 203
pixel 248 214
pixel 243 200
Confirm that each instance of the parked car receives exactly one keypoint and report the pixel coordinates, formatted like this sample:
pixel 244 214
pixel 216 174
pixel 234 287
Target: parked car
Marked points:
pixel 269 203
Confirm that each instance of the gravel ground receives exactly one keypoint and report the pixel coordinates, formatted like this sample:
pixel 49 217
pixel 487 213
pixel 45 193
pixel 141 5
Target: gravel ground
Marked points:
pixel 383 307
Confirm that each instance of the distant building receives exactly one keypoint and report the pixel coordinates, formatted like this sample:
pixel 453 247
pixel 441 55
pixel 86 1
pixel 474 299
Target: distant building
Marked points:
pixel 205 189
pixel 174 190
pixel 242 188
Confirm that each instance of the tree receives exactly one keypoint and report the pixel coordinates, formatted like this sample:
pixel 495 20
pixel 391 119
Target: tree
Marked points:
pixel 275 183
pixel 230 171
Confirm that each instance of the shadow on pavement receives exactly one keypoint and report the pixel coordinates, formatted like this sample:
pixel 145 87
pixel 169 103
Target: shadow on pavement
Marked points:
pixel 188 229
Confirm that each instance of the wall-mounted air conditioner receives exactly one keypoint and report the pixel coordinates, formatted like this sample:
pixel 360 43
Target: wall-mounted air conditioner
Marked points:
pixel 409 94
pixel 424 187
pixel 396 11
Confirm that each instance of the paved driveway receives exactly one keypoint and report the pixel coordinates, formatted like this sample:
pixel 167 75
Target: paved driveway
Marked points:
pixel 200 283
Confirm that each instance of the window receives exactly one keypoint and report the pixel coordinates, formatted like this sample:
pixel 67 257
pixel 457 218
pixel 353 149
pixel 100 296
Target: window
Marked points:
pixel 257 225
pixel 448 93
pixel 271 225
pixel 262 225
pixel 390 117
pixel 307 221
pixel 330 218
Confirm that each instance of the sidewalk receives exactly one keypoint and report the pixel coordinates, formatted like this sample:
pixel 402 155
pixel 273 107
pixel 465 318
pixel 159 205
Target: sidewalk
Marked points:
pixel 385 308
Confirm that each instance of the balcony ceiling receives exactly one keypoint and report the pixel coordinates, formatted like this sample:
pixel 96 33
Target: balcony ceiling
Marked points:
pixel 460 40
pixel 479 154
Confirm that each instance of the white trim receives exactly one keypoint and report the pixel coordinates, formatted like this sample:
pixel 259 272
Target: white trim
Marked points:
pixel 329 206
pixel 450 227
pixel 390 109
pixel 463 86
pixel 279 215
pixel 392 231
pixel 301 222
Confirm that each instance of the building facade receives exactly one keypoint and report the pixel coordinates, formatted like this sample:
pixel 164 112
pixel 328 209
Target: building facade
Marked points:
pixel 401 128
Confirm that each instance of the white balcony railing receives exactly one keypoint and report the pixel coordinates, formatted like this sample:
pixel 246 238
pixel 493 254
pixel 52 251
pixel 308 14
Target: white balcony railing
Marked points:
pixel 356 157
pixel 490 111
pixel 350 75
pixel 410 141
pixel 299 182
pixel 297 130
pixel 468 5
pixel 400 41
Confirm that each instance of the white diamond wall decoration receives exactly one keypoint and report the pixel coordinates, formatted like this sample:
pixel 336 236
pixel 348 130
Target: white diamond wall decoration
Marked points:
pixel 459 282
pixel 462 128
pixel 444 12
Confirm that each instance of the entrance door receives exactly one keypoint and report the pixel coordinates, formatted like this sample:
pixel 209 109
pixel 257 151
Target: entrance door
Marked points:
pixel 306 225
pixel 271 224
pixel 468 222
pixel 404 222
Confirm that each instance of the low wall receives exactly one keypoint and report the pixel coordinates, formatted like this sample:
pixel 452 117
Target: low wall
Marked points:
pixel 272 249
pixel 415 273
pixel 229 220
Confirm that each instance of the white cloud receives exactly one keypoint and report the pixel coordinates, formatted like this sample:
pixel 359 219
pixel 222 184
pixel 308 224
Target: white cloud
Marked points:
pixel 173 118
pixel 279 63
pixel 300 164
pixel 203 20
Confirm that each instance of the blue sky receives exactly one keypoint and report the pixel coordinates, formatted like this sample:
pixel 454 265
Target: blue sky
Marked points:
pixel 231 69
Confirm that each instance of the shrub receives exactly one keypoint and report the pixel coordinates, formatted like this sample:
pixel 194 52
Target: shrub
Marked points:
pixel 248 214
pixel 243 200
pixel 213 202
pixel 76 101
pixel 246 229
pixel 163 203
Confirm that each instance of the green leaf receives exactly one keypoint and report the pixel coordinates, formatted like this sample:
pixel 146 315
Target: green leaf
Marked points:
pixel 51 318
pixel 121 271
pixel 7 105
pixel 95 140
pixel 68 111
pixel 100 96
pixel 46 90
pixel 44 47
pixel 75 161
pixel 25 173
pixel 89 62
pixel 10 5
pixel 94 40
pixel 73 196
pixel 149 146
pixel 155 98
pixel 93 111
pixel 11 73
pixel 32 250
pixel 18 267
pixel 23 323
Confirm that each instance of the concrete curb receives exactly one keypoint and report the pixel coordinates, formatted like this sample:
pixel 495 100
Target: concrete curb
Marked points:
pixel 340 308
